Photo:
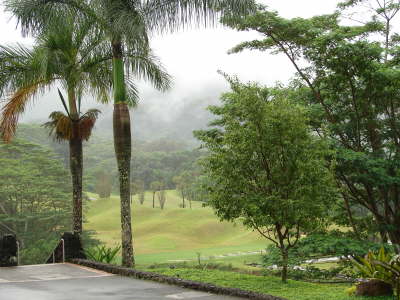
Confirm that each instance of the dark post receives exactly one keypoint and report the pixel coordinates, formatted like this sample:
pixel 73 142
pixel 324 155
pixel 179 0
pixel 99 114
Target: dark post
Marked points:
pixel 8 251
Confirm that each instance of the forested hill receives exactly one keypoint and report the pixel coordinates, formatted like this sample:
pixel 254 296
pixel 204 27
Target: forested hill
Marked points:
pixel 161 160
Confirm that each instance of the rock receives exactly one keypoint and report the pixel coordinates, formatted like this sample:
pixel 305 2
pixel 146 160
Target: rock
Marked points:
pixel 374 287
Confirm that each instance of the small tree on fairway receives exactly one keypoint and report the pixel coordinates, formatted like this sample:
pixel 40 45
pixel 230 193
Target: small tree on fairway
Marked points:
pixel 139 184
pixel 141 197
pixel 162 198
pixel 180 186
pixel 103 184
pixel 154 187
pixel 266 168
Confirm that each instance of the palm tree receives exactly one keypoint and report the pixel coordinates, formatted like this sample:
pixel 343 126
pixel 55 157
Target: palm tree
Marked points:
pixel 126 23
pixel 73 55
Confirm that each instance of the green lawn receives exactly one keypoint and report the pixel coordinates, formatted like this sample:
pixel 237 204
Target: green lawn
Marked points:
pixel 294 290
pixel 173 233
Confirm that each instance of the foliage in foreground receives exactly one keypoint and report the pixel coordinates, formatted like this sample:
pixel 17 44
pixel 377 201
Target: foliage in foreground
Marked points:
pixel 294 290
pixel 381 265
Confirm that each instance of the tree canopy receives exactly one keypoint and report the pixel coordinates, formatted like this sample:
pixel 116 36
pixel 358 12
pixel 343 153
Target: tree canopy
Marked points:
pixel 348 76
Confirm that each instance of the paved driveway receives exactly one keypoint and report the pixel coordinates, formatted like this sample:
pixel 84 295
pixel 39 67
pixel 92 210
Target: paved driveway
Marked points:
pixel 71 282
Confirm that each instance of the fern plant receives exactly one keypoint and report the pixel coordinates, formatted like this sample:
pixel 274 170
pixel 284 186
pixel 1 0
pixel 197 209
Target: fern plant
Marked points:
pixel 103 254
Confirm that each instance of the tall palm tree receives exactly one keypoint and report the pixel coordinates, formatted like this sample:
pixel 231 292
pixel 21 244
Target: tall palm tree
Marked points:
pixel 126 23
pixel 75 56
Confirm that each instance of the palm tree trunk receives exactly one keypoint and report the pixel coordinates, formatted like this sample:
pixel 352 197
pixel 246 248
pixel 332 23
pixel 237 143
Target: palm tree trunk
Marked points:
pixel 75 152
pixel 123 148
pixel 75 163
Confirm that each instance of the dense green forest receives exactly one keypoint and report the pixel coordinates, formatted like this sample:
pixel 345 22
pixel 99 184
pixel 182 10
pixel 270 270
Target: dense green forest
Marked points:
pixel 34 198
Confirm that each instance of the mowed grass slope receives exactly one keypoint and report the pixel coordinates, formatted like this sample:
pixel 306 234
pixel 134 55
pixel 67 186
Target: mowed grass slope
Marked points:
pixel 173 233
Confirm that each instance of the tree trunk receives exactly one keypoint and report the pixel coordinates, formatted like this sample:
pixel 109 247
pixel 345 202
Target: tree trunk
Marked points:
pixel 75 152
pixel 350 216
pixel 75 162
pixel 285 261
pixel 123 148
pixel 154 194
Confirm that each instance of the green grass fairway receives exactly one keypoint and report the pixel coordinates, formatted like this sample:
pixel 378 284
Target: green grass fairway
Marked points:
pixel 173 233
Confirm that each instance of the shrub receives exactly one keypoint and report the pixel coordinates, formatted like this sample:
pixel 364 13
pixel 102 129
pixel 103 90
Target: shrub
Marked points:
pixel 103 254
pixel 382 265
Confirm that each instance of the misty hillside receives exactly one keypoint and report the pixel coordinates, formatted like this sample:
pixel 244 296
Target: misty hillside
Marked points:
pixel 155 121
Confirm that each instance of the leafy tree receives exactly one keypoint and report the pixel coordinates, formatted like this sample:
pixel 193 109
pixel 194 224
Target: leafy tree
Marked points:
pixel 266 167
pixel 126 25
pixel 350 82
pixel 34 196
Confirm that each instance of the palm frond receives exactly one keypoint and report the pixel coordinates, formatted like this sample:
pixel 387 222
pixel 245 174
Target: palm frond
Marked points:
pixel 35 16
pixel 15 106
pixel 132 93
pixel 170 15
pixel 87 122
pixel 145 65
pixel 61 126
pixel 20 67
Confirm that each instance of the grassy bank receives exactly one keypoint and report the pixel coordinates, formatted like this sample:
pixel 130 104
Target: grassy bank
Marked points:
pixel 293 290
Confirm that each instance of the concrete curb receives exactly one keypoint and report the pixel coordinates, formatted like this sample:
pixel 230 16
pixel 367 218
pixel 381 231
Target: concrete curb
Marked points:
pixel 194 285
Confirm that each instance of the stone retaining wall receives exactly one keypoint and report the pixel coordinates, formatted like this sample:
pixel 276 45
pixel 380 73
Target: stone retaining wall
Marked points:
pixel 194 285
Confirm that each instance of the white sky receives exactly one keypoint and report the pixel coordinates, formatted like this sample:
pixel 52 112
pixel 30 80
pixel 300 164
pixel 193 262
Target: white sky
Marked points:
pixel 193 58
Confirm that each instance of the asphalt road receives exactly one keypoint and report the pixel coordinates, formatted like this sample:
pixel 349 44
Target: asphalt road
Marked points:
pixel 71 282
